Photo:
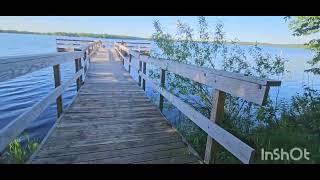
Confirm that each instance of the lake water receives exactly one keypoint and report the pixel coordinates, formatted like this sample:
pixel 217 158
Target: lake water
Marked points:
pixel 19 94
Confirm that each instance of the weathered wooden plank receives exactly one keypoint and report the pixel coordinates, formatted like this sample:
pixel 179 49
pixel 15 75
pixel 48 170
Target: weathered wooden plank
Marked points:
pixel 217 115
pixel 91 135
pixel 93 128
pixel 118 120
pixel 184 159
pixel 234 145
pixel 100 114
pixel 135 158
pixel 80 120
pixel 112 120
pixel 104 139
pixel 15 127
pixel 169 149
pixel 109 146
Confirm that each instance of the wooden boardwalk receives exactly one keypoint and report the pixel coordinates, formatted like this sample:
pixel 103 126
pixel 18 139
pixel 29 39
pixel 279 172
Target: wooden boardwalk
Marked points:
pixel 112 121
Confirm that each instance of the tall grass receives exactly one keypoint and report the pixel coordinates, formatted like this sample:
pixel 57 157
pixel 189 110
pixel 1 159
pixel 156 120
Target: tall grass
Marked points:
pixel 17 152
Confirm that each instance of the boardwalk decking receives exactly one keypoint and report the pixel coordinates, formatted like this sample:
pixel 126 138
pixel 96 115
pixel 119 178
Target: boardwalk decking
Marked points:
pixel 112 121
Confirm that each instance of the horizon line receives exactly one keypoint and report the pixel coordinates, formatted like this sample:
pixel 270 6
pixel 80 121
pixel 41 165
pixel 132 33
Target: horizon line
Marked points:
pixel 129 36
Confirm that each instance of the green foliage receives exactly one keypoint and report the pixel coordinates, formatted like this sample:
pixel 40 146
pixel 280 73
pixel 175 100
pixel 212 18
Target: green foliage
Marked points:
pixel 19 154
pixel 275 125
pixel 304 26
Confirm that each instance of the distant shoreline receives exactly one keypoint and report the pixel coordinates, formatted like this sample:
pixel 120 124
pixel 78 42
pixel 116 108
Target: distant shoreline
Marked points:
pixel 274 45
pixel 112 36
pixel 89 35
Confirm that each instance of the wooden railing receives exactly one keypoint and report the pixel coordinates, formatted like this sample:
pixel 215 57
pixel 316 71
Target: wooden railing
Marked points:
pixel 72 41
pixel 12 67
pixel 137 46
pixel 252 89
pixel 67 45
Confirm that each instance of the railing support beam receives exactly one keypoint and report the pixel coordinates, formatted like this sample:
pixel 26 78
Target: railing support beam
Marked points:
pixel 140 69
pixel 217 115
pixel 144 72
pixel 130 56
pixel 162 84
pixel 78 67
pixel 57 83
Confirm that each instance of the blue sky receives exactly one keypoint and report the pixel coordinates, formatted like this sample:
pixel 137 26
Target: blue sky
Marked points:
pixel 271 29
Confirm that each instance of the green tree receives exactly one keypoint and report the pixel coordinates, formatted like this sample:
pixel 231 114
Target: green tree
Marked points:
pixel 204 48
pixel 304 26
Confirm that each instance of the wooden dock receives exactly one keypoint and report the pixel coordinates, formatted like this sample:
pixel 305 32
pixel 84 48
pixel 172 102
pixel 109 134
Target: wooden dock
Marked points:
pixel 112 121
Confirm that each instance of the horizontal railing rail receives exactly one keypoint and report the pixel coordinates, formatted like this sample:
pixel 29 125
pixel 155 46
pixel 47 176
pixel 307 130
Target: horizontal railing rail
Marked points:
pixel 250 88
pixel 80 40
pixel 137 46
pixel 127 42
pixel 15 66
pixel 73 44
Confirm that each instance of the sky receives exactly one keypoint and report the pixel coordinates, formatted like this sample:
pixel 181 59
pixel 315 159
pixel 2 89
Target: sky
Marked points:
pixel 269 29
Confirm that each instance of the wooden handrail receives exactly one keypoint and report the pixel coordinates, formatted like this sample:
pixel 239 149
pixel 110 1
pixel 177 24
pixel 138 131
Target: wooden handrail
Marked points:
pixel 133 42
pixel 15 66
pixel 250 88
pixel 80 40
pixel 253 89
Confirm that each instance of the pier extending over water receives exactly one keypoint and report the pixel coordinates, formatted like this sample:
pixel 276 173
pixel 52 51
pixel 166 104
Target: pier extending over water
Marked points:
pixel 111 120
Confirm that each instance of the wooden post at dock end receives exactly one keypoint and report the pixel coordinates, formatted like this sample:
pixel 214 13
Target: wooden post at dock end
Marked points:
pixel 85 60
pixel 217 115
pixel 120 51
pixel 57 83
pixel 162 84
pixel 78 67
pixel 140 69
pixel 144 72
pixel 130 56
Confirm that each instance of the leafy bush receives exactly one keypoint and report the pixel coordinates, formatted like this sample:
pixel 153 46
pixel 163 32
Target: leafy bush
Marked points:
pixel 275 125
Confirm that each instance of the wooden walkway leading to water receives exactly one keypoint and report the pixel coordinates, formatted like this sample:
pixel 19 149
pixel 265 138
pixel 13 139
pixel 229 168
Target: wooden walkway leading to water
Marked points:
pixel 112 121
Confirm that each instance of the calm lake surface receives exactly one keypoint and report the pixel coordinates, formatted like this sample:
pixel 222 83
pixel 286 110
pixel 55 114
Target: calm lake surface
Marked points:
pixel 19 94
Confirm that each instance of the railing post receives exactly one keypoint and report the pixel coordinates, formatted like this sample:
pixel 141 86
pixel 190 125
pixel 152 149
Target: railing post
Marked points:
pixel 130 62
pixel 78 67
pixel 120 51
pixel 140 70
pixel 57 83
pixel 217 115
pixel 85 62
pixel 162 84
pixel 144 72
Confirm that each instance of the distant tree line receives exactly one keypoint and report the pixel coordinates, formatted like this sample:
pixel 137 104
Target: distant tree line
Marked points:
pixel 109 36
